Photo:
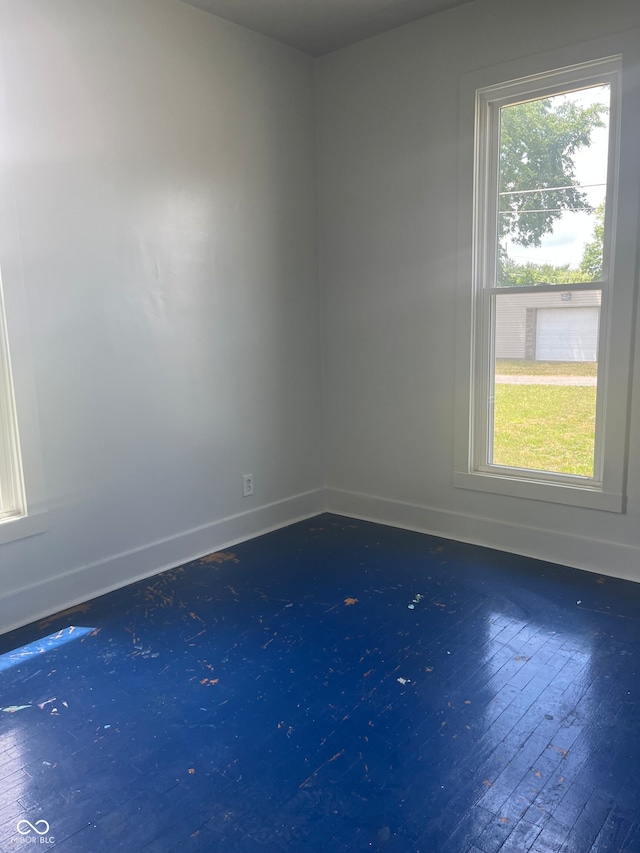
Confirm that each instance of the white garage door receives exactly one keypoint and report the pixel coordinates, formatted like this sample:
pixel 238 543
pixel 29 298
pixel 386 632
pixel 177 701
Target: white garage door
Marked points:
pixel 567 334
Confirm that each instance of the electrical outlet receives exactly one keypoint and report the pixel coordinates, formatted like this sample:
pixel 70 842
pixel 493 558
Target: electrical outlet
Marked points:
pixel 247 485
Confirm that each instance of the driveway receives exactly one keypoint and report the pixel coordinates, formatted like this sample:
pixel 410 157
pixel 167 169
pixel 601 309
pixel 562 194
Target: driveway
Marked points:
pixel 509 379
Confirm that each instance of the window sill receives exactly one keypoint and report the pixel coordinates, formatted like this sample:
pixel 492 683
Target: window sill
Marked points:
pixel 588 497
pixel 20 527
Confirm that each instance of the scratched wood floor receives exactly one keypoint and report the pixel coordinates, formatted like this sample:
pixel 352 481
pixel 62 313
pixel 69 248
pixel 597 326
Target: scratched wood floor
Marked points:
pixel 334 686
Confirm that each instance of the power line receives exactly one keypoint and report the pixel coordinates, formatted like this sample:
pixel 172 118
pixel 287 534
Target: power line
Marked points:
pixel 552 189
pixel 546 210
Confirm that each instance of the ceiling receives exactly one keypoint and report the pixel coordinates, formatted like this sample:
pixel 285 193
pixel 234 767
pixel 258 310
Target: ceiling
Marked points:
pixel 320 26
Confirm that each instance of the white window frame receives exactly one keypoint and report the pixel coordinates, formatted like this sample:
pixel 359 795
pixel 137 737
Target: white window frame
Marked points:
pixel 23 511
pixel 616 58
pixel 12 499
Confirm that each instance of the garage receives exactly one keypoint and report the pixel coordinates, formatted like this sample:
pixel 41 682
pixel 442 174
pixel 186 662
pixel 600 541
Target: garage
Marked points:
pixel 567 334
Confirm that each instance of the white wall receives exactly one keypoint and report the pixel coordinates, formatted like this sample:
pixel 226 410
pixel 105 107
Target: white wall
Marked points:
pixel 163 165
pixel 162 162
pixel 388 170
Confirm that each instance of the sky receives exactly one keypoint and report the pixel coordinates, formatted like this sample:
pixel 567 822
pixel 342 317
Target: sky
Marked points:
pixel 573 230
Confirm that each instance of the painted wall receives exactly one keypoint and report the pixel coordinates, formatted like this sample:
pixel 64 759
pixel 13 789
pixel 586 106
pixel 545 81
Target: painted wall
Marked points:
pixel 162 166
pixel 388 170
pixel 162 163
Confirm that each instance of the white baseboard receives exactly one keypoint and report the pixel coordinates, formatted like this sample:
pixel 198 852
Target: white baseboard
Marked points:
pixel 39 600
pixel 579 552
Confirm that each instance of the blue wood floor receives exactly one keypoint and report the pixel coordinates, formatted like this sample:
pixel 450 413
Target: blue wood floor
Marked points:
pixel 339 686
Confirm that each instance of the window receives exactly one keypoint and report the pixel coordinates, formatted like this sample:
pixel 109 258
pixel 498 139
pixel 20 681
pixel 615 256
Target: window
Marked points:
pixel 12 502
pixel 22 499
pixel 22 493
pixel 544 368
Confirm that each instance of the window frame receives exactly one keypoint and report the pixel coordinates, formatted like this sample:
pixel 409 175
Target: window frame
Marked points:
pixel 20 456
pixel 12 497
pixel 615 58
pixel 21 472
pixel 21 467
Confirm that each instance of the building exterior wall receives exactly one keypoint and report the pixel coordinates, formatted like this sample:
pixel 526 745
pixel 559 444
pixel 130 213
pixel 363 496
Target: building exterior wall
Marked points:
pixel 515 330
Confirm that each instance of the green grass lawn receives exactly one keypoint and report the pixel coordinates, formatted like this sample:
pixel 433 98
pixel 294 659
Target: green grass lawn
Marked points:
pixel 545 427
pixel 520 367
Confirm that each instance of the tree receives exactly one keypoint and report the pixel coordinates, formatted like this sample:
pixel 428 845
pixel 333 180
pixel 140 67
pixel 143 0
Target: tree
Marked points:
pixel 513 274
pixel 537 174
pixel 591 264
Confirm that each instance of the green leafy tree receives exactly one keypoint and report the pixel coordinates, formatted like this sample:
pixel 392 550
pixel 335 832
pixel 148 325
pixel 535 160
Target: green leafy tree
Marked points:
pixel 522 275
pixel 537 174
pixel 591 264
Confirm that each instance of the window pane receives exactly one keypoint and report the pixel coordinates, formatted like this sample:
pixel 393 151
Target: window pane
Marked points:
pixel 552 188
pixel 544 402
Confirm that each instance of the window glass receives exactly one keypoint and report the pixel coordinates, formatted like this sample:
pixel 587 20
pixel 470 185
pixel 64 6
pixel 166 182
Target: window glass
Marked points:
pixel 547 232
pixel 553 157
pixel 545 381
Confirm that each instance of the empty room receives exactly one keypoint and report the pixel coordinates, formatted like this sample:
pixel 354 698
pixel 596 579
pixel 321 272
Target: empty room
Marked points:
pixel 319 426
